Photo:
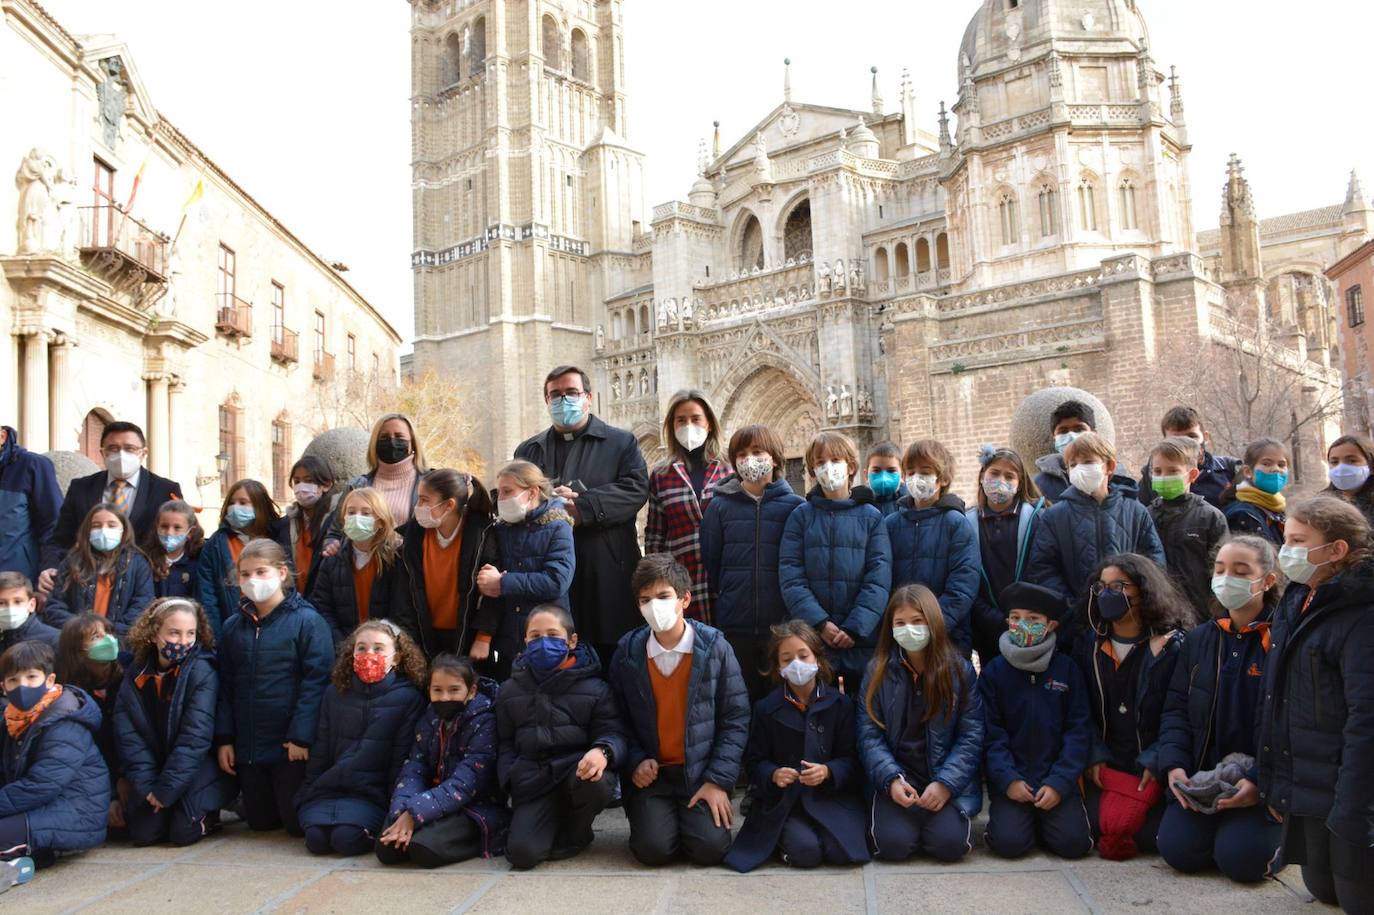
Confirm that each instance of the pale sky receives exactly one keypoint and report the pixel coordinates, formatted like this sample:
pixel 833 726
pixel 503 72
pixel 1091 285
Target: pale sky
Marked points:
pixel 305 103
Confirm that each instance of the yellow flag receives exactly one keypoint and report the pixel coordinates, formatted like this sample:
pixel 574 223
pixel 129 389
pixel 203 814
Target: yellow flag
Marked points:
pixel 195 195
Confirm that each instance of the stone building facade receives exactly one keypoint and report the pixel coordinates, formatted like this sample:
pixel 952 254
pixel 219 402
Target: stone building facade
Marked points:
pixel 141 283
pixel 846 269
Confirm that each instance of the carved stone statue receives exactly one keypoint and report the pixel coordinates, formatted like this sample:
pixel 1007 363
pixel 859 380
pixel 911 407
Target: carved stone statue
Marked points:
pixel 38 230
pixel 839 274
pixel 865 399
pixel 670 312
pixel 662 315
pixel 856 275
pixel 688 312
pixel 832 402
pixel 66 192
pixel 600 337
pixel 846 401
pixel 823 276
pixel 112 94
pixel 643 381
pixel 615 387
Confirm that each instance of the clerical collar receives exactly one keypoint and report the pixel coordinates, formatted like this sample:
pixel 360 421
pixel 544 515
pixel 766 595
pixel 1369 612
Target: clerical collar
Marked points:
pixel 568 436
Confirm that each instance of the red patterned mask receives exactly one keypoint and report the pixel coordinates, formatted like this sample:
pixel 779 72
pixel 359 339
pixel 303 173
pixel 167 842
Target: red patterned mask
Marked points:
pixel 371 667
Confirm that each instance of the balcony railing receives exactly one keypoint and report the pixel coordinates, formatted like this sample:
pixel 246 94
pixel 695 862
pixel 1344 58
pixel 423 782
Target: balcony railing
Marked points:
pixel 285 345
pixel 123 243
pixel 233 316
pixel 324 366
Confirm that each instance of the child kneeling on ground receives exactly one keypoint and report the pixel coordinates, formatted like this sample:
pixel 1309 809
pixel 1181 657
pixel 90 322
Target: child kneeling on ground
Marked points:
pixel 446 808
pixel 1038 733
pixel 686 710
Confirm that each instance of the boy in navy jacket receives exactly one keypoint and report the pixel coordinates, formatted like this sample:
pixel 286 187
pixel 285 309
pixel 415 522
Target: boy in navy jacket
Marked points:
pixel 1038 733
pixel 687 715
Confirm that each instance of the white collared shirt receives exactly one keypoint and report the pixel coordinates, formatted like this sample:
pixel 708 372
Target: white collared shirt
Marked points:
pixel 132 483
pixel 667 659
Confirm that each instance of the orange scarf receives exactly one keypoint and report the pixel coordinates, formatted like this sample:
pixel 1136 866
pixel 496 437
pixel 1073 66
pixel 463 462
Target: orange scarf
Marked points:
pixel 17 721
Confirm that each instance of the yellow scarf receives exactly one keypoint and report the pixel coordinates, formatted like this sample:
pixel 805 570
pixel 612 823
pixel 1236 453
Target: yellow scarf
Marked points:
pixel 1274 502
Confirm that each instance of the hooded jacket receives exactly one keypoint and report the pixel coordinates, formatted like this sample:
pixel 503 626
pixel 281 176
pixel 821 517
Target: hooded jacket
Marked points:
pixel 938 548
pixel 30 502
pixel 540 558
pixel 130 593
pixel 1052 479
pixel 1190 530
pixel 740 540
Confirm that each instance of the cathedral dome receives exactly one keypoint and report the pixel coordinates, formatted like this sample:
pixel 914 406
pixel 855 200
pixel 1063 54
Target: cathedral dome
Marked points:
pixel 1003 32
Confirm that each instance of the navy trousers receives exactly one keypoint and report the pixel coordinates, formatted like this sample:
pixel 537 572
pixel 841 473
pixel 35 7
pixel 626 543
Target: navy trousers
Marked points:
pixel 1014 828
pixel 899 832
pixel 1240 843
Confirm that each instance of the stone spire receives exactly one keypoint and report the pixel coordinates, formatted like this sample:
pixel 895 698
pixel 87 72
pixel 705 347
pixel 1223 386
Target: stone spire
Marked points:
pixel 945 144
pixel 787 79
pixel 908 109
pixel 1357 216
pixel 1240 241
pixel 703 193
pixel 877 96
pixel 715 144
pixel 1354 194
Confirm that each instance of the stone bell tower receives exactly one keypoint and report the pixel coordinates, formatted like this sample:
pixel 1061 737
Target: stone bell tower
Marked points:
pixel 524 191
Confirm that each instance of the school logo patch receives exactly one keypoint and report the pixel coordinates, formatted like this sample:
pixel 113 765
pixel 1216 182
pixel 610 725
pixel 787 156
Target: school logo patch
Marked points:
pixel 1059 686
pixel 1254 670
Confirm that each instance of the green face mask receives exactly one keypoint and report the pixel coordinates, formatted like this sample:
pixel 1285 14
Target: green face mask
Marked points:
pixel 1169 488
pixel 104 649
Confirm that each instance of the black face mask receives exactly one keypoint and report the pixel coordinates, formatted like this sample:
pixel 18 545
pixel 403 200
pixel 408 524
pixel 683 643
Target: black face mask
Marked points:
pixel 449 709
pixel 392 450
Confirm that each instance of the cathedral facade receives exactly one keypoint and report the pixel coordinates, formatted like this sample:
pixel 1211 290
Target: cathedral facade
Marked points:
pixel 840 268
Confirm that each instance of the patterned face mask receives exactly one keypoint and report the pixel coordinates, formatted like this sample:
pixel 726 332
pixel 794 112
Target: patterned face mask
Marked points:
pixel 1025 633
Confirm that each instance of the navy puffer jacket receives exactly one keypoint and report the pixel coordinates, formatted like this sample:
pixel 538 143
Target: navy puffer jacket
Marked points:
pixel 30 502
pixel 130 595
pixel 835 565
pixel 545 726
pixel 1073 535
pixel 451 770
pixel 1152 690
pixel 178 766
pixel 336 598
pixel 937 547
pixel 717 707
pixel 273 675
pixel 540 561
pixel 365 733
pixel 740 538
pixel 55 774
pixel 32 629
pixel 954 743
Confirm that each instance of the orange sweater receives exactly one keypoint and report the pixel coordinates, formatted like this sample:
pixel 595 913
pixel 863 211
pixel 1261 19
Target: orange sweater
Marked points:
pixel 670 697
pixel 362 587
pixel 441 579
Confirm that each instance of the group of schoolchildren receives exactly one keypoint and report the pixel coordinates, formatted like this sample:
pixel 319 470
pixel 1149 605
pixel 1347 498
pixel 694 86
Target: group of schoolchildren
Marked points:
pixel 394 668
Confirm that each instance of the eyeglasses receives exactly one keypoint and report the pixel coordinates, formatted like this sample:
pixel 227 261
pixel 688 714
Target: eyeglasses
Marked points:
pixel 572 393
pixel 1118 587
pixel 112 450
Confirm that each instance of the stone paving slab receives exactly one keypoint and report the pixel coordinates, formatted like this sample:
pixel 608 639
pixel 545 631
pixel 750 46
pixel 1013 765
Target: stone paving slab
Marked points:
pixel 239 872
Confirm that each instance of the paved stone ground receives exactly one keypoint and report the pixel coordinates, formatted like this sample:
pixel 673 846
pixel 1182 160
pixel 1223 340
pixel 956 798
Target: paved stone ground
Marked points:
pixel 239 872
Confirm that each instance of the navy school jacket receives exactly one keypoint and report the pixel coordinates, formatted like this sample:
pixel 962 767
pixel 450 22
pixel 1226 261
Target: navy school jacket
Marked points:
pixel 540 562
pixel 30 502
pixel 938 548
pixel 336 599
pixel 178 766
pixel 32 629
pixel 54 774
pixel 182 579
pixel 740 540
pixel 1152 687
pixel 1038 725
pixel 130 594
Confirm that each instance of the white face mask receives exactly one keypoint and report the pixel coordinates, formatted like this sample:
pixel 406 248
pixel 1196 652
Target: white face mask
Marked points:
pixel 123 465
pixel 425 517
pixel 262 589
pixel 691 437
pixel 1086 478
pixel 13 616
pixel 913 637
pixel 660 613
pixel 512 511
pixel 923 486
pixel 832 475
pixel 307 494
pixel 799 672
pixel 755 468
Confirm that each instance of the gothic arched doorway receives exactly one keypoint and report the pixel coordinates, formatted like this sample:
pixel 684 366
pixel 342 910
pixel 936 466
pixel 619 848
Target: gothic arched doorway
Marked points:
pixel 92 428
pixel 772 397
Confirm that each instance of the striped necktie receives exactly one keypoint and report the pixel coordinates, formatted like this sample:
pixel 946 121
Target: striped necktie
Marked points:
pixel 120 493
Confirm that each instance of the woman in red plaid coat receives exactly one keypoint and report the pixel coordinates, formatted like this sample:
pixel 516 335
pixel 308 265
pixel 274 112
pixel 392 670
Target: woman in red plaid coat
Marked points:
pixel 681 488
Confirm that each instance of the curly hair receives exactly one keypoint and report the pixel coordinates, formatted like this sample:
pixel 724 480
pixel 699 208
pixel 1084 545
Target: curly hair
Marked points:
pixel 1162 607
pixel 410 660
pixel 142 636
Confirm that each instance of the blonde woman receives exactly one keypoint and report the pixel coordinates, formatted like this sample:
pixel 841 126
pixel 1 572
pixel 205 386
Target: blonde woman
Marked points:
pixel 363 580
pixel 395 463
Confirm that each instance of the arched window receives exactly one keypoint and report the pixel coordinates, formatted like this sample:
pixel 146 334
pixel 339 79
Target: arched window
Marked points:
pixel 617 326
pixel 476 50
pixel 1009 218
pixel 92 428
pixel 796 233
pixel 581 56
pixel 451 63
pixel 1128 212
pixel 902 257
pixel 751 245
pixel 644 325
pixel 1049 211
pixel 922 255
pixel 630 318
pixel 552 44
pixel 881 270
pixel 942 251
pixel 1087 206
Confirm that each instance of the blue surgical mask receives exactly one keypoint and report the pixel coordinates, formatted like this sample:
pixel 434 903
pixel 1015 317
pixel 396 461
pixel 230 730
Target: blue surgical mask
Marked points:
pixel 1349 477
pixel 171 542
pixel 1271 482
pixel 105 539
pixel 546 652
pixel 567 411
pixel 240 516
pixel 884 483
pixel 1064 439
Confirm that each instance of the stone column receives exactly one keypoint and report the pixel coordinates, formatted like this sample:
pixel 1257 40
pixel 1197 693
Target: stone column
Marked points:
pixel 159 435
pixel 34 430
pixel 59 357
pixel 174 391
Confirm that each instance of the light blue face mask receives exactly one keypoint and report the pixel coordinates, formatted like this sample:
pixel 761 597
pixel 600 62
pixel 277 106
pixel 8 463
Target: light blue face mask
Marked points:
pixel 567 411
pixel 105 539
pixel 1064 440
pixel 240 516
pixel 171 542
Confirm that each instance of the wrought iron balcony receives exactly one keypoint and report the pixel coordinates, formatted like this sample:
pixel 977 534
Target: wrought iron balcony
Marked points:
pixel 324 366
pixel 233 316
pixel 120 246
pixel 285 345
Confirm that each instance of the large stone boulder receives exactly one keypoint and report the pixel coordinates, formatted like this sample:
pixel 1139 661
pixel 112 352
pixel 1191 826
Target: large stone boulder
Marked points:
pixel 70 465
pixel 1031 435
pixel 343 449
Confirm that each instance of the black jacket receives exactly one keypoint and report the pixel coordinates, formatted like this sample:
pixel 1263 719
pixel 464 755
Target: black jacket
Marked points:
pixel 85 493
pixel 1152 687
pixel 544 728
pixel 335 598
pixel 1190 529
pixel 476 613
pixel 1317 740
pixel 614 486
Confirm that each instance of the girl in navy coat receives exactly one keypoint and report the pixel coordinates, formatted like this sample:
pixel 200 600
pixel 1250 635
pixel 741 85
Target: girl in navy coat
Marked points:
pixel 803 764
pixel 1038 733
pixel 248 514
pixel 104 572
pixel 367 725
pixel 740 537
pixel 275 656
pixel 54 786
pixel 535 536
pixel 89 658
pixel 446 807
pixel 1254 503
pixel 835 560
pixel 933 544
pixel 920 734
pixel 164 726
pixel 1213 711
pixel 364 579
pixel 1137 618
pixel 173 550
pixel 1003 522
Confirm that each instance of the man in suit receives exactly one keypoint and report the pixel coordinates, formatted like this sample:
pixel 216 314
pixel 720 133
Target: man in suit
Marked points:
pixel 599 473
pixel 124 483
